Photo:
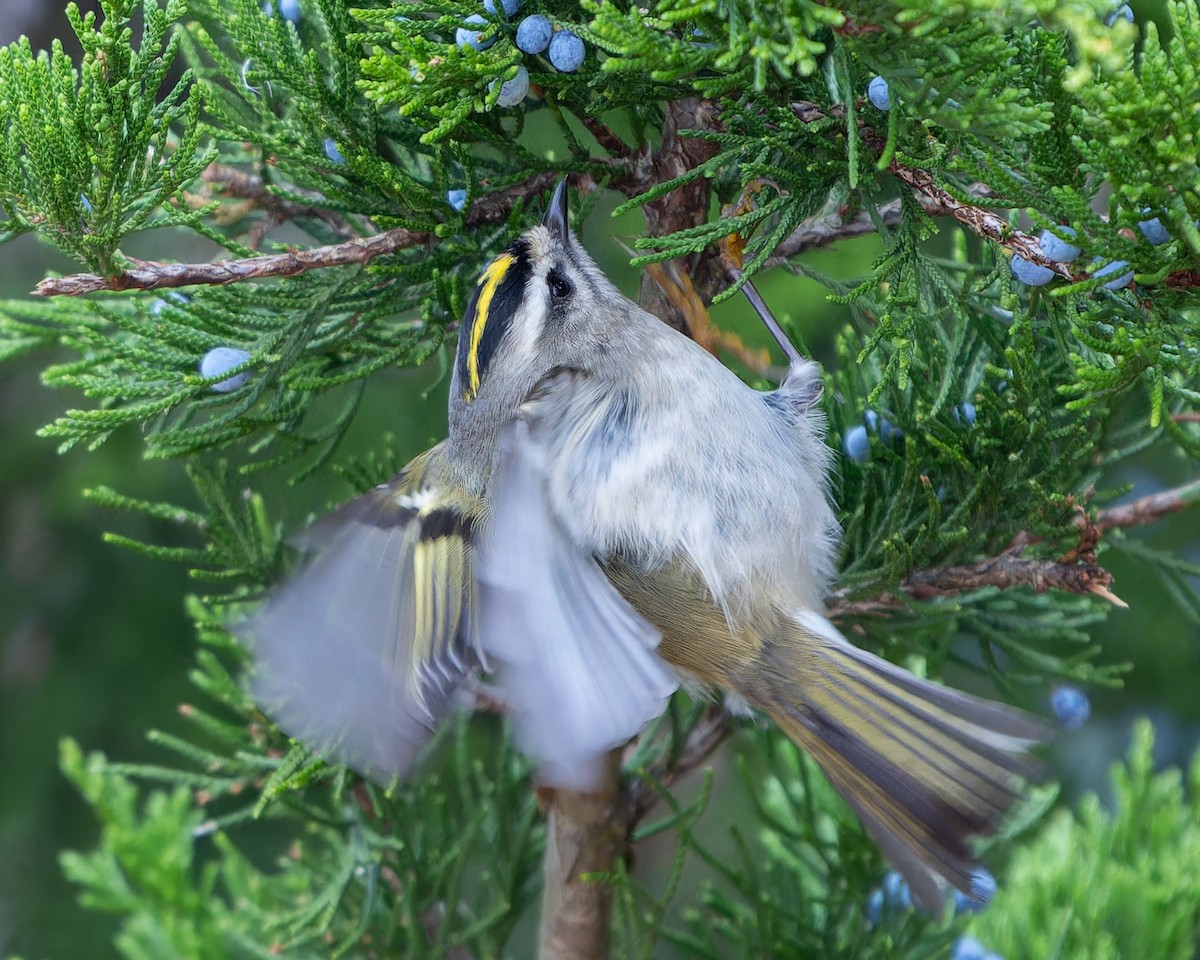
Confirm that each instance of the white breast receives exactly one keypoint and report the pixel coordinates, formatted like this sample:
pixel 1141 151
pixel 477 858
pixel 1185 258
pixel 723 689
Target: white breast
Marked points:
pixel 700 466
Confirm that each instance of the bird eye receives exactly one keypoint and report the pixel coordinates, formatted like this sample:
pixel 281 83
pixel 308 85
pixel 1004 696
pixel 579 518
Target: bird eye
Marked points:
pixel 559 286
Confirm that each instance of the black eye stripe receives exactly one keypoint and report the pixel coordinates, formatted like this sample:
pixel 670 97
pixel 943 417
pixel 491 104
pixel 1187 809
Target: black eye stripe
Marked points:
pixel 496 299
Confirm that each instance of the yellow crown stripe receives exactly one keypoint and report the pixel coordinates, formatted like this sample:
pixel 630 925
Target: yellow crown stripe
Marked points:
pixel 491 279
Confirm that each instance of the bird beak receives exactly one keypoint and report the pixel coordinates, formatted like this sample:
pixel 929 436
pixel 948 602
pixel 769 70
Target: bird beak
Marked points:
pixel 556 214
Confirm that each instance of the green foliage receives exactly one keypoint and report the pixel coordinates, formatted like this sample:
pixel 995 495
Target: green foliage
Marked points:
pixel 145 870
pixel 275 92
pixel 791 876
pixel 440 97
pixel 1118 879
pixel 985 112
pixel 1143 118
pixel 349 866
pixel 316 338
pixel 88 154
pixel 793 884
pixel 738 39
pixel 241 546
pixel 939 494
pixel 282 92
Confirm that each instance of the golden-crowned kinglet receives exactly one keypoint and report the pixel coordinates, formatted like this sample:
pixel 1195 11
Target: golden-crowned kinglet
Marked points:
pixel 614 510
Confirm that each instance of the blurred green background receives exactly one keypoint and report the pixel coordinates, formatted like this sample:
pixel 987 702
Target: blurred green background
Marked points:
pixel 94 643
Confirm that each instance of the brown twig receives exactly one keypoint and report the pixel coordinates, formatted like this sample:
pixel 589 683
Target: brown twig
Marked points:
pixel 147 275
pixel 682 208
pixel 1182 280
pixel 588 832
pixel 1007 570
pixel 1150 508
pixel 676 155
pixel 940 202
pixel 827 228
pixel 990 225
pixel 1004 572
pixel 713 729
pixel 854 28
pixel 431 922
pixel 840 608
pixel 604 135
pixel 986 223
pixel 1076 572
pixel 980 220
pixel 830 227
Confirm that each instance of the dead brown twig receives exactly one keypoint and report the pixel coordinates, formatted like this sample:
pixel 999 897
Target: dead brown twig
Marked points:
pixel 1075 572
pixel 1150 508
pixel 1008 570
pixel 1005 571
pixel 830 226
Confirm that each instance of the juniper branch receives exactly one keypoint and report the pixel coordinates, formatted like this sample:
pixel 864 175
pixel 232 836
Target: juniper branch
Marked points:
pixel 1076 573
pixel 984 222
pixel 938 201
pixel 994 227
pixel 604 136
pixel 224 180
pixel 431 922
pixel 149 275
pixel 1150 508
pixel 584 837
pixel 713 729
pixel 830 227
pixel 681 208
pixel 1010 569
pixel 1004 571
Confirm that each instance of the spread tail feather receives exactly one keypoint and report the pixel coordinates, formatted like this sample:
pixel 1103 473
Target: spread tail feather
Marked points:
pixel 925 767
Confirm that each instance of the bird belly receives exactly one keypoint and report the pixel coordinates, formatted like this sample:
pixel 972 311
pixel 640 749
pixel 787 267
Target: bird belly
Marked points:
pixel 656 482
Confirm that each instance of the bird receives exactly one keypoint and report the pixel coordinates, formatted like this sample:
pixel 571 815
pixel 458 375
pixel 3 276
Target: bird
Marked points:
pixel 614 513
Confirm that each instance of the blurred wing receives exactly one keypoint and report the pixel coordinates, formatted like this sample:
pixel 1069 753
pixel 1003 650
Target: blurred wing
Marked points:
pixel 359 654
pixel 577 664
